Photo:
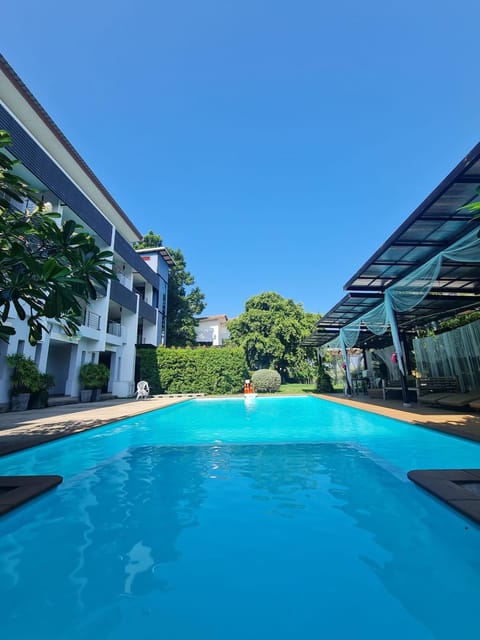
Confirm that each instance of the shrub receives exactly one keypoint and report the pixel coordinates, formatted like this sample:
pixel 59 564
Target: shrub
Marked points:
pixel 324 382
pixel 266 380
pixel 39 398
pixel 93 376
pixel 25 376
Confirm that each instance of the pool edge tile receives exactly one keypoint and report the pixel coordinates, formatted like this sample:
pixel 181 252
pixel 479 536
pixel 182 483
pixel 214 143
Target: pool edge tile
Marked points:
pixel 21 489
pixel 446 484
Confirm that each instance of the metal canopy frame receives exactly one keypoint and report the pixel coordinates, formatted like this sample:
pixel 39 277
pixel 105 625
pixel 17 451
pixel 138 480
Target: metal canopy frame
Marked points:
pixel 435 225
pixel 432 227
pixel 433 309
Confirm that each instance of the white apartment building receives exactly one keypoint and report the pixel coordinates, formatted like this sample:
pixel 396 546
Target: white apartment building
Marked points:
pixel 211 331
pixel 132 310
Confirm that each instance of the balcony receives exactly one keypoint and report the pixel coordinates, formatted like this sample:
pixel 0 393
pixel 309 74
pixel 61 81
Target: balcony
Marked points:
pixel 91 320
pixel 116 329
pixel 122 279
pixel 116 333
pixel 123 296
pixel 122 247
pixel 147 311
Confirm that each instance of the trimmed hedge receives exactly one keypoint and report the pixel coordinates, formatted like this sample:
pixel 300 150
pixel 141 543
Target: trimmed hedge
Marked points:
pixel 266 380
pixel 148 368
pixel 200 370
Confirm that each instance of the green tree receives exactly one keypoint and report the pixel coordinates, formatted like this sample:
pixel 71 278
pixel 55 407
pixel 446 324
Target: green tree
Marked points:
pixel 47 270
pixel 458 321
pixel 473 207
pixel 185 301
pixel 270 331
pixel 149 241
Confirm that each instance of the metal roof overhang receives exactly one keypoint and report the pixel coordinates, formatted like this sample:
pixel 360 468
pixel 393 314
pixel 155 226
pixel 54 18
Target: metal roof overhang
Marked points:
pixel 433 226
pixel 434 308
pixel 436 224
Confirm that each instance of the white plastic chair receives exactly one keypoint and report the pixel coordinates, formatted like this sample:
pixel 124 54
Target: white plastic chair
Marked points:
pixel 143 390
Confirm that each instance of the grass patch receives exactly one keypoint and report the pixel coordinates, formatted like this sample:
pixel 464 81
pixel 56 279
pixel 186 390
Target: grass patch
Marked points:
pixel 297 389
pixel 301 389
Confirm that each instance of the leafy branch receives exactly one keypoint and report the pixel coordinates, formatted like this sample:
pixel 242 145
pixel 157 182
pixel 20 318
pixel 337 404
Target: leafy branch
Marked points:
pixel 48 269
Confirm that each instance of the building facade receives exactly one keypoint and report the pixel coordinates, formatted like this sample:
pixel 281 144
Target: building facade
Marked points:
pixel 211 331
pixel 133 309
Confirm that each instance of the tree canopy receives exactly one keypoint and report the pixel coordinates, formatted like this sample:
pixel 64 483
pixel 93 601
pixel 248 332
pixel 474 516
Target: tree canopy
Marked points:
pixel 270 331
pixel 47 269
pixel 185 301
pixel 473 207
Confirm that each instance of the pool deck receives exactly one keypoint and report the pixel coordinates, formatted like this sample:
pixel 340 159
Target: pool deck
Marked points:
pixel 24 429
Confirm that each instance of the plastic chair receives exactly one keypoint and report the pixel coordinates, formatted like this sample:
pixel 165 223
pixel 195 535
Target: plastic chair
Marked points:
pixel 143 390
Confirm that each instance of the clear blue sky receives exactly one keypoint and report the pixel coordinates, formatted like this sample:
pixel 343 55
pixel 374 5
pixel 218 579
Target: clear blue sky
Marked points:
pixel 277 143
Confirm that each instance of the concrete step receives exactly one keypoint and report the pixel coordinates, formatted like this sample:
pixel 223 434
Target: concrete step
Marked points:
pixel 57 401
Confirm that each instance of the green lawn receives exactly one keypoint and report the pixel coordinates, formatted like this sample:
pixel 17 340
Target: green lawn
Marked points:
pixel 302 389
pixel 296 389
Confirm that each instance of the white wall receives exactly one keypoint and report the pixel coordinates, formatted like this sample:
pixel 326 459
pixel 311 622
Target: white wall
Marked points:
pixel 212 330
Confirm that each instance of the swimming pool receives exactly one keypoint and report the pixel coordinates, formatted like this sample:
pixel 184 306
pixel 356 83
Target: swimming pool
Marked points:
pixel 288 517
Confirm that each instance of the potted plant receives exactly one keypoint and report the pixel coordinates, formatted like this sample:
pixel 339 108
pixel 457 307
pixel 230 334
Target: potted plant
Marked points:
pixel 39 399
pixel 92 378
pixel 25 379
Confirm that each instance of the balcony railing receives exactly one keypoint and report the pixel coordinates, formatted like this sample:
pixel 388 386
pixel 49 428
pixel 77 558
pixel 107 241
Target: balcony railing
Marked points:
pixel 116 329
pixel 122 278
pixel 92 320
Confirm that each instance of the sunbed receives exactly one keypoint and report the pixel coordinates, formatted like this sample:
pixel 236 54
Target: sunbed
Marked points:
pixel 460 399
pixel 433 389
pixel 433 398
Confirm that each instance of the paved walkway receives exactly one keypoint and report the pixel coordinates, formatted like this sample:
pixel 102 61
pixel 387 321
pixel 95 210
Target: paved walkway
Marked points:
pixel 20 430
pixel 23 429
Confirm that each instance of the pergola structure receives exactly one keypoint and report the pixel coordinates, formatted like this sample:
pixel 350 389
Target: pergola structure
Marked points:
pixel 425 238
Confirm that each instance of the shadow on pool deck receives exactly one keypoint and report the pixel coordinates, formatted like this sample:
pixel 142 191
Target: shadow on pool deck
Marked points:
pixel 30 428
pixel 24 429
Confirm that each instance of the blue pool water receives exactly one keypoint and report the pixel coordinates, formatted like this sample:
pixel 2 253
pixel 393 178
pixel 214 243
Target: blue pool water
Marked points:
pixel 290 517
